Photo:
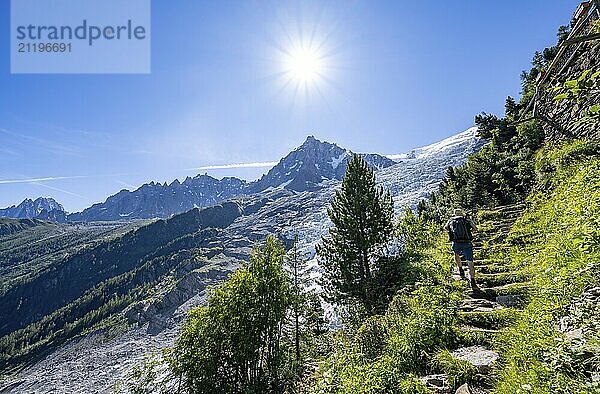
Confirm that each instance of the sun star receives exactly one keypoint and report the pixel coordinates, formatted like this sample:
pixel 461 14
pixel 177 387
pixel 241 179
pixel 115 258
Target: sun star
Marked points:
pixel 304 64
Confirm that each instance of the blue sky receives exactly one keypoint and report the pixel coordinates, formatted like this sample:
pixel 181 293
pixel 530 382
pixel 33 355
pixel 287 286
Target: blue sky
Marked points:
pixel 395 75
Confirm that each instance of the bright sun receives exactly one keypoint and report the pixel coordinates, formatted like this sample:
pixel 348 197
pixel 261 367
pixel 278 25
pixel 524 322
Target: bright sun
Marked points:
pixel 304 65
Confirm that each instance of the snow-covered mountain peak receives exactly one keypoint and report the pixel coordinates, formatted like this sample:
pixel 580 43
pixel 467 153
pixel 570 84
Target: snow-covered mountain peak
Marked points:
pixel 312 163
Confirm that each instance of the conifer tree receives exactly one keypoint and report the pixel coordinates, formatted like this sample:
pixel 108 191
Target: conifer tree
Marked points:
pixel 362 215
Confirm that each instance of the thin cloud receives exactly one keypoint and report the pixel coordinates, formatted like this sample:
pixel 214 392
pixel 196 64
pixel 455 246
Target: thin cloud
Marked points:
pixel 236 165
pixel 34 180
pixel 128 185
pixel 45 144
pixel 58 189
pixel 59 178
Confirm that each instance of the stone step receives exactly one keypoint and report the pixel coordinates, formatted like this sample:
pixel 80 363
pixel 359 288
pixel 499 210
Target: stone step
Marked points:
pixel 438 383
pixel 518 288
pixel 478 308
pixel 510 213
pixel 497 238
pixel 481 292
pixel 495 261
pixel 497 278
pixel 504 218
pixel 455 276
pixel 479 330
pixel 510 300
pixel 493 319
pixel 496 226
pixel 517 207
pixel 481 358
pixel 490 250
pixel 492 238
pixel 495 218
pixel 477 304
pixel 491 268
pixel 471 389
pixel 499 228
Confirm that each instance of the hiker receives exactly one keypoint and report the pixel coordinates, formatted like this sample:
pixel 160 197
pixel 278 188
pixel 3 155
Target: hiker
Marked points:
pixel 460 233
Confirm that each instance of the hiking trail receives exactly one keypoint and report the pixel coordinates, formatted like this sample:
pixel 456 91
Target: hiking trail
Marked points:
pixel 484 312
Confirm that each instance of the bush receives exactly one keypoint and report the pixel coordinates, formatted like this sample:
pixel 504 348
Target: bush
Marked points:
pixel 234 344
pixel 387 351
pixel 381 377
pixel 551 159
pixel 458 371
pixel 372 337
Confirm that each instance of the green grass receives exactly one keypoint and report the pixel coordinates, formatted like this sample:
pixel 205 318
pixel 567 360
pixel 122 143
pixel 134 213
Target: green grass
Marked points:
pixel 557 245
pixel 492 320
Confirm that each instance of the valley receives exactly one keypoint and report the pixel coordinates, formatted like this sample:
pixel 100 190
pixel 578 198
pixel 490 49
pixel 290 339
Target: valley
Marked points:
pixel 122 288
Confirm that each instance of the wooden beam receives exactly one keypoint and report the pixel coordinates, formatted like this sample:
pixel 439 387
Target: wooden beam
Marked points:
pixel 575 40
pixel 518 122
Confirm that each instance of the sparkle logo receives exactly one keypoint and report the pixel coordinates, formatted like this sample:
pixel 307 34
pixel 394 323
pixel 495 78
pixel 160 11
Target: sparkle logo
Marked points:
pixel 83 36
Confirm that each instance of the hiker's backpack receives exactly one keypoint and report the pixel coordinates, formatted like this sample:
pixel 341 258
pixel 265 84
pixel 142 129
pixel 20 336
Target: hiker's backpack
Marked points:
pixel 460 230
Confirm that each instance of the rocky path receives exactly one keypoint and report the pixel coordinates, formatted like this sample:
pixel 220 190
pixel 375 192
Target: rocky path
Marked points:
pixel 485 311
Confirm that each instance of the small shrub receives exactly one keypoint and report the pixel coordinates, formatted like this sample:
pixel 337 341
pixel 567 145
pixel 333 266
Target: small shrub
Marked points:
pixel 372 336
pixel 458 371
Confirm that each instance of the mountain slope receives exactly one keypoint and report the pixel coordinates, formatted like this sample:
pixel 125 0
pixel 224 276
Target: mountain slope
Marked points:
pixel 153 200
pixel 13 226
pixel 57 285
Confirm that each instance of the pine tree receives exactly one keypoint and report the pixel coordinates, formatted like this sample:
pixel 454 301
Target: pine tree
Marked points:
pixel 362 214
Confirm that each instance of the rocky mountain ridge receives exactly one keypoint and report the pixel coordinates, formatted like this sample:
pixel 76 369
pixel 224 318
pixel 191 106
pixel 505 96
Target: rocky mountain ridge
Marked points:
pixel 44 208
pixel 302 169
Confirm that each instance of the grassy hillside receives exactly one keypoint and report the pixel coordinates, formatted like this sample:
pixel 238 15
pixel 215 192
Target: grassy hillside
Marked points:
pixel 11 226
pixel 555 346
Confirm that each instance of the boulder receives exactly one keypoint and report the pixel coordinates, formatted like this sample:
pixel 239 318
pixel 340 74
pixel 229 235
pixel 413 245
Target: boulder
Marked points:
pixel 510 300
pixel 437 383
pixel 464 389
pixel 480 357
